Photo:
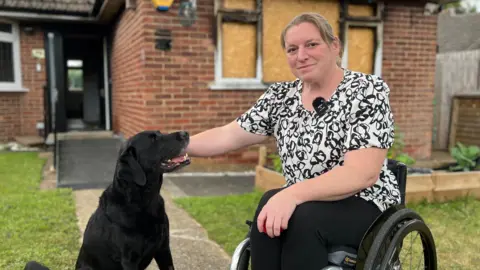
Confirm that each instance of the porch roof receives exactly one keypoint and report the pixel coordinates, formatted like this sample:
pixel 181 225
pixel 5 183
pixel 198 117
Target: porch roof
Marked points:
pixel 78 7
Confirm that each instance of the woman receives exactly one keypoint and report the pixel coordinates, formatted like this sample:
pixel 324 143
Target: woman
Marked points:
pixel 334 159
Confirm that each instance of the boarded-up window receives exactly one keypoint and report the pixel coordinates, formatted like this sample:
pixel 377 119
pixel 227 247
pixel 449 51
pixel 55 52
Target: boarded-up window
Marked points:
pixel 356 10
pixel 276 15
pixel 239 44
pixel 361 41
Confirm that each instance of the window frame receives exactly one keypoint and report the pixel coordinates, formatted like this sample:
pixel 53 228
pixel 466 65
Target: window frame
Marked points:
pixel 374 22
pixel 14 38
pixel 221 83
pixel 257 83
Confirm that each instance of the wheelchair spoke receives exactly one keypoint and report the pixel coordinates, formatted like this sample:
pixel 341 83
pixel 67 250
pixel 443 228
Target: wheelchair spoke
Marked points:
pixel 393 238
pixel 415 251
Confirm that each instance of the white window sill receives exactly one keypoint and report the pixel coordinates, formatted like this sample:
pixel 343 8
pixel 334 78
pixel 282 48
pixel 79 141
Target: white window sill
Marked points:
pixel 238 84
pixel 13 89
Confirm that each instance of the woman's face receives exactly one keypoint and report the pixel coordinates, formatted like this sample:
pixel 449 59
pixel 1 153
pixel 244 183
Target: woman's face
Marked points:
pixel 308 55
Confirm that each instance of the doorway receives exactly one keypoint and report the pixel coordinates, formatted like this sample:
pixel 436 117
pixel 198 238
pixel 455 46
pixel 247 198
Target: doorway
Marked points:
pixel 78 81
pixel 84 95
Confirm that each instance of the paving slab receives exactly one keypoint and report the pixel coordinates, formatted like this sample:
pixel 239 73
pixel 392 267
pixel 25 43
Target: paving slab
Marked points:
pixel 218 185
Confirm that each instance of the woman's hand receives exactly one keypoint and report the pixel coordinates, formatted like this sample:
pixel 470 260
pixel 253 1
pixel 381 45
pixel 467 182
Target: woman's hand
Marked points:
pixel 276 213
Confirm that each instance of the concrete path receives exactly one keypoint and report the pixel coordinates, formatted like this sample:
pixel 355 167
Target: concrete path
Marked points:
pixel 191 248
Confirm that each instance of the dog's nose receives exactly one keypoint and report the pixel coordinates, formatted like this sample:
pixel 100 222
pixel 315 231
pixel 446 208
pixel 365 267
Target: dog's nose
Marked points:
pixel 182 135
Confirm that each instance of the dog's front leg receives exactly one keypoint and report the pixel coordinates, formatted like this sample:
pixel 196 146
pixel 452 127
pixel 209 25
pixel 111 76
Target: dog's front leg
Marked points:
pixel 163 256
pixel 164 259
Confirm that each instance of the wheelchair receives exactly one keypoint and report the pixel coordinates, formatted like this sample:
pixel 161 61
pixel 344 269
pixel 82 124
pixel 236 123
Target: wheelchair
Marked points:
pixel 381 244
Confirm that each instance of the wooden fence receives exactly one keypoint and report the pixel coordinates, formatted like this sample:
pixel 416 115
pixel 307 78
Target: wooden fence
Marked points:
pixel 465 120
pixel 457 73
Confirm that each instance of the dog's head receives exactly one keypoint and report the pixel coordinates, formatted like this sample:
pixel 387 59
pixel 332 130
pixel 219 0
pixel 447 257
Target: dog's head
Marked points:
pixel 152 151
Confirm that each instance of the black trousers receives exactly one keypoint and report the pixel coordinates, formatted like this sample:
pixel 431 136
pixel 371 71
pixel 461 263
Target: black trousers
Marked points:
pixel 312 228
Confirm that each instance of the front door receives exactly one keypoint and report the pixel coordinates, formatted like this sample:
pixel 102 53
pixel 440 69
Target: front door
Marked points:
pixel 56 79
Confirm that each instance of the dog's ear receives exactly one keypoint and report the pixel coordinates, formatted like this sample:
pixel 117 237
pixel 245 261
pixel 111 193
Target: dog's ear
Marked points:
pixel 130 168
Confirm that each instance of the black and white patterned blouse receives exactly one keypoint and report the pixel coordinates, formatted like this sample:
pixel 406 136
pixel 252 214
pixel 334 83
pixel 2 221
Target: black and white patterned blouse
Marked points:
pixel 310 144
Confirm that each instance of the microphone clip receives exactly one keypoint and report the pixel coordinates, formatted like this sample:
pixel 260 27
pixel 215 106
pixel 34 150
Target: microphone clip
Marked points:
pixel 320 105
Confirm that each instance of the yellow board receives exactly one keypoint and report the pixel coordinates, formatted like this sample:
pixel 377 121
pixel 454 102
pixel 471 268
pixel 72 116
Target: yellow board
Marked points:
pixel 361 41
pixel 360 10
pixel 240 4
pixel 239 50
pixel 276 15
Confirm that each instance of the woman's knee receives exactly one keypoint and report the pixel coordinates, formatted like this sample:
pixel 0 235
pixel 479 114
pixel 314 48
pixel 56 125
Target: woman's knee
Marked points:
pixel 306 216
pixel 266 196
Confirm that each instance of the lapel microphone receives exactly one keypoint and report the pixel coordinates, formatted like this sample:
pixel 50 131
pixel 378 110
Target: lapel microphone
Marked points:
pixel 320 105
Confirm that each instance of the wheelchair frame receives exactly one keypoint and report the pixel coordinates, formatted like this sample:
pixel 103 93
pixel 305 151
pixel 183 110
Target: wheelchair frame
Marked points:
pixel 392 224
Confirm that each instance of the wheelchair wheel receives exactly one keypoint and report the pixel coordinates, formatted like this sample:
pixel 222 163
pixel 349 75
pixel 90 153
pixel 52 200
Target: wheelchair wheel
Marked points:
pixel 244 260
pixel 241 256
pixel 385 247
pixel 393 258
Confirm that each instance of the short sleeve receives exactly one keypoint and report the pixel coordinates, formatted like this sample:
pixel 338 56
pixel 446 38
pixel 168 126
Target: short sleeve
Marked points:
pixel 258 118
pixel 372 123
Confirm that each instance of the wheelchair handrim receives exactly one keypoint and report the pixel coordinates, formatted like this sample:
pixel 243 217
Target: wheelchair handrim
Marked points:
pixel 386 234
pixel 237 254
pixel 428 244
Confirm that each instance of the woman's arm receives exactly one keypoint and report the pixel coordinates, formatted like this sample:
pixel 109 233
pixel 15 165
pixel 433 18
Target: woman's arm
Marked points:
pixel 220 140
pixel 361 170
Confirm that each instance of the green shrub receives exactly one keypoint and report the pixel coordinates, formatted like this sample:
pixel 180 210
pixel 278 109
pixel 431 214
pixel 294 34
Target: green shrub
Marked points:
pixel 466 157
pixel 276 162
pixel 396 151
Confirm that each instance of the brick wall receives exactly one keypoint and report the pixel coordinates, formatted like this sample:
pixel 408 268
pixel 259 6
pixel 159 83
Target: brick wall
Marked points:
pixel 168 90
pixel 9 115
pixel 409 52
pixel 19 112
pixel 128 110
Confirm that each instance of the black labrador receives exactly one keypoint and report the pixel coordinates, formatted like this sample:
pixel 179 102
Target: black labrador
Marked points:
pixel 130 227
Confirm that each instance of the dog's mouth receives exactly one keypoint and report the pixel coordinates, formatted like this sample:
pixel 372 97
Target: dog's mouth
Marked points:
pixel 175 163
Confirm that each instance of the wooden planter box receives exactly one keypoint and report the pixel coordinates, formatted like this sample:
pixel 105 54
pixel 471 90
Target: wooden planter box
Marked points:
pixel 419 188
pixel 439 186
pixel 266 179
pixel 453 185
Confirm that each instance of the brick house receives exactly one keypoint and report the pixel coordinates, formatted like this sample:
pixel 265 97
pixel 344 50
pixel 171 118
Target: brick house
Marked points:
pixel 125 66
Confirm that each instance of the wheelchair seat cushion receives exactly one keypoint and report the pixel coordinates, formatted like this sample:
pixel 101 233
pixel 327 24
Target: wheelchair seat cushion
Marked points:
pixel 343 256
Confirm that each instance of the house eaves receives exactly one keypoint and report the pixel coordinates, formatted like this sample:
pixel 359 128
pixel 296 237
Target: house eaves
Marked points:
pixel 87 11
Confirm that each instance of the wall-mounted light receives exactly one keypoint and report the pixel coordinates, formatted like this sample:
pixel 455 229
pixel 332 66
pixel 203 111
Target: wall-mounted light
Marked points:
pixel 188 12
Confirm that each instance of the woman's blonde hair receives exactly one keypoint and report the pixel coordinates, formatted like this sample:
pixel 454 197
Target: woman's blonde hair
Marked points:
pixel 325 29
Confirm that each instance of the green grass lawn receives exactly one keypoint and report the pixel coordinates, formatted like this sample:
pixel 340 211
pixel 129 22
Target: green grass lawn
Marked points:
pixel 34 225
pixel 454 225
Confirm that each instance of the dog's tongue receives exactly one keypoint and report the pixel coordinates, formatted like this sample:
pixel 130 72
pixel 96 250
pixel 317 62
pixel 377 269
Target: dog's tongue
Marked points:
pixel 179 158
